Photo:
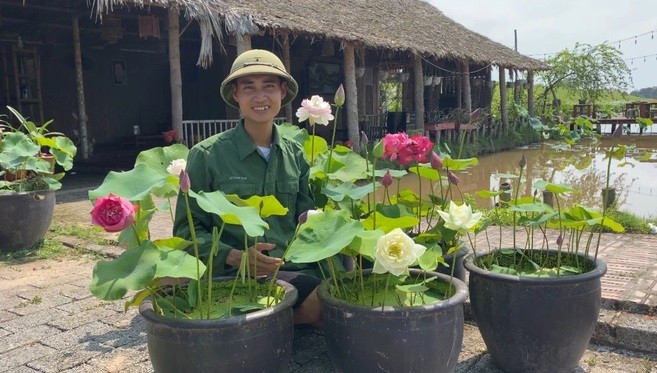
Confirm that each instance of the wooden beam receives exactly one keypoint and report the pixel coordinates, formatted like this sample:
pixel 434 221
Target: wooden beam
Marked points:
pixel 79 83
pixel 467 91
pixel 175 75
pixel 530 92
pixel 351 93
pixel 243 43
pixel 285 49
pixel 503 108
pixel 418 89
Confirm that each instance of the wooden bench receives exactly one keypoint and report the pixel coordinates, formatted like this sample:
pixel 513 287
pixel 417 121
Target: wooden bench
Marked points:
pixel 450 127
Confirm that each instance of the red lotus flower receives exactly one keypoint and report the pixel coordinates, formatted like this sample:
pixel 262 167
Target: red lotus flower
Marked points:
pixel 113 213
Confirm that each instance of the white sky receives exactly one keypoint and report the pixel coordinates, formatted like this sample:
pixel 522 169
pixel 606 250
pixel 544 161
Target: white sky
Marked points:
pixel 549 26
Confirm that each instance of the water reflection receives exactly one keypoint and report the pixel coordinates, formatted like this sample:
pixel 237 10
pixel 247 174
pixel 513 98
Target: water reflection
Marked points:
pixel 582 167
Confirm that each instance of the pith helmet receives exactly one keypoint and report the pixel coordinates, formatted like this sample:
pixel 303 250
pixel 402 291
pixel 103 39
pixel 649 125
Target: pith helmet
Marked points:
pixel 257 61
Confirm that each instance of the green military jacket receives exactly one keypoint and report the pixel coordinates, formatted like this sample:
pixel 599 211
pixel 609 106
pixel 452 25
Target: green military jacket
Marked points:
pixel 231 162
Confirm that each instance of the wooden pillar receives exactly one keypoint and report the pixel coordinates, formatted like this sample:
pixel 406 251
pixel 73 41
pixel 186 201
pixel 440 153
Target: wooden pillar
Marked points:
pixel 351 96
pixel 467 92
pixel 79 83
pixel 243 43
pixel 418 89
pixel 360 83
pixel 459 87
pixel 503 108
pixel 530 92
pixel 285 48
pixel 175 75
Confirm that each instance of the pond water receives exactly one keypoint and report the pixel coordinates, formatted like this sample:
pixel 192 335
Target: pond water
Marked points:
pixel 582 167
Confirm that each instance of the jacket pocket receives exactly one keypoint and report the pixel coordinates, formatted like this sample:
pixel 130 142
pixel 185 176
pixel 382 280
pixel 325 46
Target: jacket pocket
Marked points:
pixel 287 193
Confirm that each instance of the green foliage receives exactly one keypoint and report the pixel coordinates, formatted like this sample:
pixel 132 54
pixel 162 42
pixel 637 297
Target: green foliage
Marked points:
pixel 588 71
pixel 28 154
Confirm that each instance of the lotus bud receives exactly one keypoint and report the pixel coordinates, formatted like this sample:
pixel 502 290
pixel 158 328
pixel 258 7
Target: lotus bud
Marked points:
pixel 185 184
pixel 363 138
pixel 523 162
pixel 560 240
pixel 339 96
pixel 436 162
pixel 453 178
pixel 387 179
pixel 618 132
pixel 304 217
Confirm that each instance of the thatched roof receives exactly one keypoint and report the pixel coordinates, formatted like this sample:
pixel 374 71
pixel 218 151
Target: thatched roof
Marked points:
pixel 414 26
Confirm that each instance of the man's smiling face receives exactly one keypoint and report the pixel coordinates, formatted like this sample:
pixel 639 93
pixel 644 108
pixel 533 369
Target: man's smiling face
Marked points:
pixel 259 97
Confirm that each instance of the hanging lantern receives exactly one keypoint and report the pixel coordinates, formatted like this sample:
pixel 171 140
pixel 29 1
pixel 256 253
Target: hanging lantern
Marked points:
pixel 149 26
pixel 111 30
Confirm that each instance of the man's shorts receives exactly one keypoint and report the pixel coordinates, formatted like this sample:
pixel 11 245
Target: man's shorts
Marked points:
pixel 305 284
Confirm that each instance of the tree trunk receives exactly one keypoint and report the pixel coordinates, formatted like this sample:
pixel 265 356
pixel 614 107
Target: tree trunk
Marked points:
pixel 175 76
pixel 362 110
pixel 79 82
pixel 351 98
pixel 459 86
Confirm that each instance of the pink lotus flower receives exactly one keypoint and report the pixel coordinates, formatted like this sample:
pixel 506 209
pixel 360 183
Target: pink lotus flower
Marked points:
pixel 315 110
pixel 113 213
pixel 392 144
pixel 415 149
pixel 436 162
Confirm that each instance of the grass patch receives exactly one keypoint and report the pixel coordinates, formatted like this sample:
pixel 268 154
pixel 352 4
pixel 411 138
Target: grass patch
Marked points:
pixel 51 247
pixel 87 233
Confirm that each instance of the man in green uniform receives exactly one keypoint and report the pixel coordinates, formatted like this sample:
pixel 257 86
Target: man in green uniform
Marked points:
pixel 253 159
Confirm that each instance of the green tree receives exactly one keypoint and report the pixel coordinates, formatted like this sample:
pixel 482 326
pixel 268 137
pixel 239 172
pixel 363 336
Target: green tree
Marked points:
pixel 587 71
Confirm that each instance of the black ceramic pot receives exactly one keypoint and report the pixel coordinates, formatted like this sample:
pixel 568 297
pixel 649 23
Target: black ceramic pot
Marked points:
pixel 536 325
pixel 24 219
pixel 259 341
pixel 395 339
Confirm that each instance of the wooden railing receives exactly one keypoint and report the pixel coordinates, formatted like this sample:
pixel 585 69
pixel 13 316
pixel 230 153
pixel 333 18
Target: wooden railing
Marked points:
pixel 375 126
pixel 195 131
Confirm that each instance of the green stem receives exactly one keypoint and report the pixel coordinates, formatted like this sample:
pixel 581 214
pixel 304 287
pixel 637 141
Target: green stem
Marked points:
pixel 385 291
pixel 606 196
pixel 192 231
pixel 335 125
pixel 312 147
pixel 419 207
pixel 213 252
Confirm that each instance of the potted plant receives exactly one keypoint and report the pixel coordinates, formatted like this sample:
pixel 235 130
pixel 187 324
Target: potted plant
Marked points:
pixel 28 154
pixel 536 301
pixel 194 321
pixel 396 313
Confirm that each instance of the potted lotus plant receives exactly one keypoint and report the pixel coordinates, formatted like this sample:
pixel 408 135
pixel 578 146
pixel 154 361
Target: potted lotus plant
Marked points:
pixel 536 300
pixel 194 321
pixel 396 313
pixel 28 155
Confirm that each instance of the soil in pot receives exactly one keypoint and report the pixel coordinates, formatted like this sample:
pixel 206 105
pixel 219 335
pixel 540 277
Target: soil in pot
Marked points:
pixel 245 298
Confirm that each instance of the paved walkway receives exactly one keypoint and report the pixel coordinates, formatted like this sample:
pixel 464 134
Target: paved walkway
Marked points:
pixel 50 323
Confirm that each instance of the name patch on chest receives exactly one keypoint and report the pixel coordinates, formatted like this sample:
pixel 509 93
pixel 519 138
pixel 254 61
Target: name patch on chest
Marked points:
pixel 240 178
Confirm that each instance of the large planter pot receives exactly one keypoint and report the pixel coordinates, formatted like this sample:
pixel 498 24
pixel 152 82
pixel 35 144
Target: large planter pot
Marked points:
pixel 24 219
pixel 535 324
pixel 396 339
pixel 259 341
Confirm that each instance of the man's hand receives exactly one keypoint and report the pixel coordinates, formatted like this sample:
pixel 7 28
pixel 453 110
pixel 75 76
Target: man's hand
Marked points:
pixel 260 263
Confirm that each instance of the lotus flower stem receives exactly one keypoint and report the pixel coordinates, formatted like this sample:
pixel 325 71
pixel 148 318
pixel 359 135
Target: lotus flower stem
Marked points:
pixel 335 125
pixel 192 231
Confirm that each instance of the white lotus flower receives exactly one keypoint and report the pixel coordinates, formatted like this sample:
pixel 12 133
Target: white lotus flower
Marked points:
pixel 395 252
pixel 177 166
pixel 459 218
pixel 315 110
